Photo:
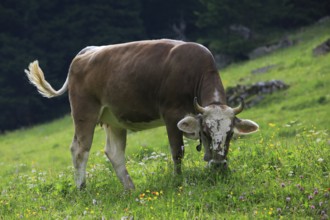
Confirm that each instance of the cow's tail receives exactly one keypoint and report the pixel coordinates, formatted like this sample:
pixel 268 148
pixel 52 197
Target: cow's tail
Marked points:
pixel 37 78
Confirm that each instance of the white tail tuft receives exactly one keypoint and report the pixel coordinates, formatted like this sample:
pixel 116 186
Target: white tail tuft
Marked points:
pixel 37 78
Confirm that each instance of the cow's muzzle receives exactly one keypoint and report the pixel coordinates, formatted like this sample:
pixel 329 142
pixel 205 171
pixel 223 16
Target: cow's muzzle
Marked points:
pixel 218 163
pixel 215 160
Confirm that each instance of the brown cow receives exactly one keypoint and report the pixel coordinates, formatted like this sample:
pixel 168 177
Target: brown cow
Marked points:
pixel 142 85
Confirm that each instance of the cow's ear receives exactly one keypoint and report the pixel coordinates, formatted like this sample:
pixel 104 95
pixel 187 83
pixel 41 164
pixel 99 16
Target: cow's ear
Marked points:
pixel 244 126
pixel 190 127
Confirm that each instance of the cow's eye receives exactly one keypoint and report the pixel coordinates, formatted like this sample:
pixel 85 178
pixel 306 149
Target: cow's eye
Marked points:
pixel 229 136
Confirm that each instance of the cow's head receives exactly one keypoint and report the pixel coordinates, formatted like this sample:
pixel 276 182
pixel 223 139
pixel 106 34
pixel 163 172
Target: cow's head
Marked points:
pixel 215 126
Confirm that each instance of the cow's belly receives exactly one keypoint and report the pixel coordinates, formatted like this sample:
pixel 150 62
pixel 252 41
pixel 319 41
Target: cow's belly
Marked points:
pixel 109 118
pixel 139 126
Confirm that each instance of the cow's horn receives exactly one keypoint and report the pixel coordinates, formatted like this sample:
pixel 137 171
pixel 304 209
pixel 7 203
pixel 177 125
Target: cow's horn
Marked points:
pixel 198 108
pixel 240 107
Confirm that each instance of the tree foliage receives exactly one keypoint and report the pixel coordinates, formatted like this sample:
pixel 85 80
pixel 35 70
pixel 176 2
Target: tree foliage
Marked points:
pixel 235 27
pixel 54 31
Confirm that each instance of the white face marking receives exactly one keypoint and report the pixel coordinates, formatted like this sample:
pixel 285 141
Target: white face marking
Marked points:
pixel 218 130
pixel 216 95
pixel 218 122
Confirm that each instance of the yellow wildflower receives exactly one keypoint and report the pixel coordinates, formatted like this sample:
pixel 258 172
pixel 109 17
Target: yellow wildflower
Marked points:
pixel 271 124
pixel 155 193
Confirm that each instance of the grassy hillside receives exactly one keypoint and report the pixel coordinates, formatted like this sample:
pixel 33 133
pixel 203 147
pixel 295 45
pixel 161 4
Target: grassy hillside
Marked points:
pixel 281 172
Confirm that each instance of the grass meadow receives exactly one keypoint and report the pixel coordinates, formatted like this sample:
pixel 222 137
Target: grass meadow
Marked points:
pixel 281 172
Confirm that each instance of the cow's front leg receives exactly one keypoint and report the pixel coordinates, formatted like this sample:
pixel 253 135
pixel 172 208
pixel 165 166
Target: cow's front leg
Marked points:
pixel 176 143
pixel 115 151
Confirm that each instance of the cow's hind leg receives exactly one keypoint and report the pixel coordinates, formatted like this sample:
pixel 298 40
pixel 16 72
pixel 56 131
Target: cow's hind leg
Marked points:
pixel 85 120
pixel 115 151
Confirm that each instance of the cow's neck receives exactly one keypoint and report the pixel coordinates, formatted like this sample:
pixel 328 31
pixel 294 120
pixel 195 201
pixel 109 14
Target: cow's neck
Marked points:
pixel 211 90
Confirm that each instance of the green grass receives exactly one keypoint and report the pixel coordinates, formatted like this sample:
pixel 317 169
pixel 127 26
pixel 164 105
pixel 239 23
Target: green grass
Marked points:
pixel 280 172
